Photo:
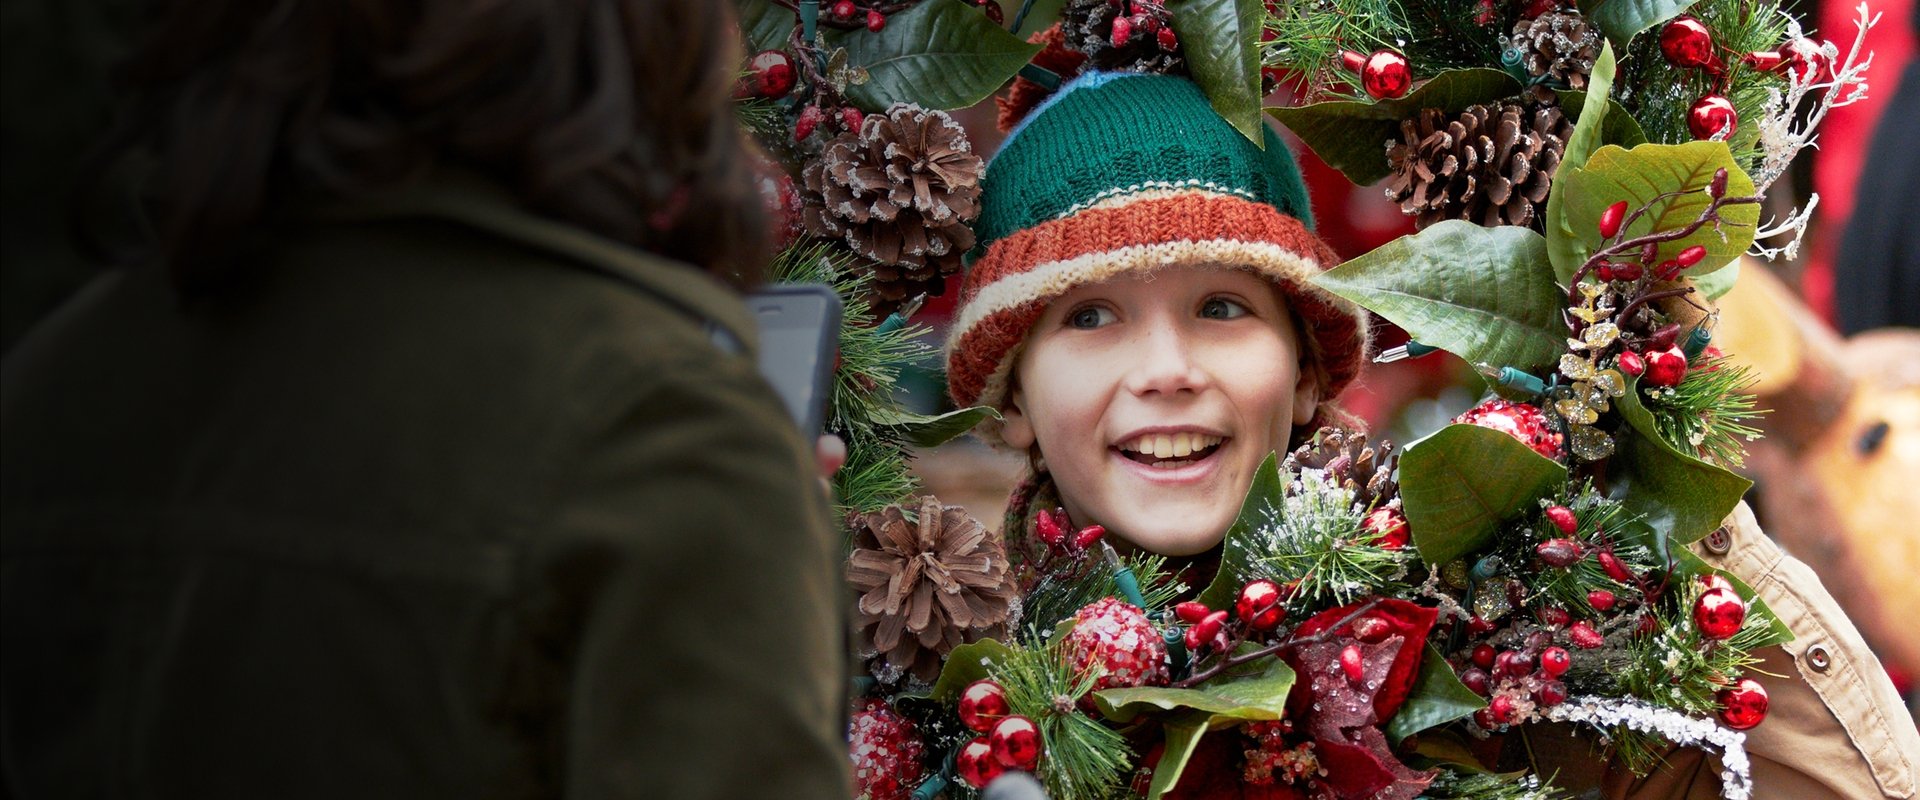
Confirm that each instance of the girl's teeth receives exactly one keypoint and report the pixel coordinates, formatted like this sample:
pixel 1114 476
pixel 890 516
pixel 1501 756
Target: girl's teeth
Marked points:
pixel 1175 445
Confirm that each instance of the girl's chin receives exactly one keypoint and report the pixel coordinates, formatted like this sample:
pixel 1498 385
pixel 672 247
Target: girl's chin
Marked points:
pixel 1169 538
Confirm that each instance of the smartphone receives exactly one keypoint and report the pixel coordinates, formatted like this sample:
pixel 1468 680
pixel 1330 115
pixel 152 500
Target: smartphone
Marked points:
pixel 799 339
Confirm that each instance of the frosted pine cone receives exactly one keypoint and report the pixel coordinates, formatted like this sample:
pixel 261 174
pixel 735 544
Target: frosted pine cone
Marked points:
pixel 929 586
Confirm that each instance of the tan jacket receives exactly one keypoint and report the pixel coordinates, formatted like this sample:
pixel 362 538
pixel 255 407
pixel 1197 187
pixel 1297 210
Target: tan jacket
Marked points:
pixel 1835 727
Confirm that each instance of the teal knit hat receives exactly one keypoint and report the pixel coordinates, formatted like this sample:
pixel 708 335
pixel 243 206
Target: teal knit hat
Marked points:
pixel 1128 172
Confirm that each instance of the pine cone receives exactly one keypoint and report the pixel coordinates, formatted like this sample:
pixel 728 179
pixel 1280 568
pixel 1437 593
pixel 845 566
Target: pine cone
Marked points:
pixel 927 587
pixel 1559 45
pixel 1492 165
pixel 900 192
pixel 1088 25
pixel 1346 458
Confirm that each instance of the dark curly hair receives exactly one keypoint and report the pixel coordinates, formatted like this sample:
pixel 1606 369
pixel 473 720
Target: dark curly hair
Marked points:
pixel 613 115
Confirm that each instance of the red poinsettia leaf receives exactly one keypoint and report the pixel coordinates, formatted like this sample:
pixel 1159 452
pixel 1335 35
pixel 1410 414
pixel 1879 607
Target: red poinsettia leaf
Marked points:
pixel 1353 772
pixel 1407 621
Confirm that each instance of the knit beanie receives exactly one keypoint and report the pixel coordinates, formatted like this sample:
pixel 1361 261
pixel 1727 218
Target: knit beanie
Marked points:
pixel 1123 173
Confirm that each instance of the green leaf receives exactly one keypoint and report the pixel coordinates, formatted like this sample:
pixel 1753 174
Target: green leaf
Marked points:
pixel 1675 493
pixel 1262 502
pixel 922 430
pixel 966 664
pixel 1640 175
pixel 1564 245
pixel 1621 19
pixel 765 25
pixel 941 54
pixel 1438 697
pixel 1221 41
pixel 1352 136
pixel 1692 566
pixel 1619 127
pixel 1484 294
pixel 1716 284
pixel 1460 483
pixel 1255 691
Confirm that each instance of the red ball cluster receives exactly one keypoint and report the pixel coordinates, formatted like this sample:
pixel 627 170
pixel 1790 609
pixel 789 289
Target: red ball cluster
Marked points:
pixel 1116 639
pixel 886 752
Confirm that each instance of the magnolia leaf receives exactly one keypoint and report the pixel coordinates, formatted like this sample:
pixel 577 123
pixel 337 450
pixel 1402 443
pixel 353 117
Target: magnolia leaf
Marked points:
pixel 1261 505
pixel 1484 294
pixel 921 430
pixel 1621 19
pixel 1565 246
pixel 966 664
pixel 1619 127
pixel 1460 483
pixel 1352 136
pixel 1677 494
pixel 1688 565
pixel 1183 737
pixel 941 54
pixel 1221 42
pixel 765 24
pixel 1715 285
pixel 1438 697
pixel 1639 176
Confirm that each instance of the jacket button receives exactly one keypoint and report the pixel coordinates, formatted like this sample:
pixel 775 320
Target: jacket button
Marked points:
pixel 1719 542
pixel 1818 658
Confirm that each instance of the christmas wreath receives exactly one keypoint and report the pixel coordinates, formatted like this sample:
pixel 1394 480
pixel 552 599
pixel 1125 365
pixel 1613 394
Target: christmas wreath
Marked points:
pixel 1583 178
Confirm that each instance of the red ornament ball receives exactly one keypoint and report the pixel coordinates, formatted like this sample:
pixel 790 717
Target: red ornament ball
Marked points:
pixel 1688 44
pixel 1744 704
pixel 1259 605
pixel 1719 613
pixel 1391 526
pixel 770 75
pixel 1519 420
pixel 886 752
pixel 1386 75
pixel 1116 638
pixel 1711 115
pixel 982 703
pixel 975 763
pixel 1554 661
pixel 1665 367
pixel 1016 743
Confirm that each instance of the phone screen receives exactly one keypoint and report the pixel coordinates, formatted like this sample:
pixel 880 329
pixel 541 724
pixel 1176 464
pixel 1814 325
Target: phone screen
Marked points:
pixel 799 334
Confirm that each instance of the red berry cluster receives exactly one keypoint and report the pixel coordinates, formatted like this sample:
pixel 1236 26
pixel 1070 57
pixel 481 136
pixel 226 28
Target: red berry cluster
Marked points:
pixel 1145 20
pixel 1007 740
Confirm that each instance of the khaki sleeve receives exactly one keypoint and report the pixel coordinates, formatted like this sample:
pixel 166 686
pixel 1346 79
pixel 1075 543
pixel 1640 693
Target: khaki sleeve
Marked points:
pixel 694 548
pixel 1835 726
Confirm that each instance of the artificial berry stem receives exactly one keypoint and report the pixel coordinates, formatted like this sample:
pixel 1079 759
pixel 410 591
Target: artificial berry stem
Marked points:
pixel 1230 662
pixel 1710 214
pixel 1627 313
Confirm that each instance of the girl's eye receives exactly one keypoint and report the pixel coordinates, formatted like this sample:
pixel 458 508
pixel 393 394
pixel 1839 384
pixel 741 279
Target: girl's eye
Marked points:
pixel 1090 317
pixel 1221 308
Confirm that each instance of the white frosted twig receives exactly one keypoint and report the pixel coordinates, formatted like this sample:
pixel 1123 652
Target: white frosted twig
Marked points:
pixel 1736 774
pixel 1794 226
pixel 1780 139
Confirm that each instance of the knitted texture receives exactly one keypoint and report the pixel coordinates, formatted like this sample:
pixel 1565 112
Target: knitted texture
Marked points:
pixel 1127 173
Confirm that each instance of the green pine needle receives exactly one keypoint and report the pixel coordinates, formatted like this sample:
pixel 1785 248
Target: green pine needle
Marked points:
pixel 1708 412
pixel 1318 541
pixel 1308 38
pixel 1084 758
pixel 1060 595
pixel 1458 784
pixel 762 118
pixel 1568 587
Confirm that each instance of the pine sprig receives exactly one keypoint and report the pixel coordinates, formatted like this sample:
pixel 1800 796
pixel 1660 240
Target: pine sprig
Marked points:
pixel 1318 543
pixel 1708 412
pixel 1569 586
pixel 762 118
pixel 1659 94
pixel 1058 595
pixel 1678 668
pixel 875 474
pixel 1455 784
pixel 1083 758
pixel 1308 37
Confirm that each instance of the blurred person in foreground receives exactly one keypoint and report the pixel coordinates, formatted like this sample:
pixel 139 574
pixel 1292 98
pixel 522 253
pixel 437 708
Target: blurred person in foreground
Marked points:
pixel 422 453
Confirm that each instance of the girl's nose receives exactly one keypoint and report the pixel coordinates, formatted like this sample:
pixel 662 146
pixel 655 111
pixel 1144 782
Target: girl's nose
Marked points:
pixel 1164 362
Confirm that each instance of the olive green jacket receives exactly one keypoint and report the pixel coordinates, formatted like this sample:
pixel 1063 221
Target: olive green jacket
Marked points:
pixel 445 501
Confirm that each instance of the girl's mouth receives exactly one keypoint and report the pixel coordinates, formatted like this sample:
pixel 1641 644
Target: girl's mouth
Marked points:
pixel 1170 451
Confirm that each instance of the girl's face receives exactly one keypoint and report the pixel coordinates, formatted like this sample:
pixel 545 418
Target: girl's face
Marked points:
pixel 1155 397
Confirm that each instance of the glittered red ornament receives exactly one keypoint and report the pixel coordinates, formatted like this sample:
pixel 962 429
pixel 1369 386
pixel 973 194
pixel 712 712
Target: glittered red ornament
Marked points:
pixel 1391 526
pixel 1167 39
pixel 1665 367
pixel 1807 61
pixel 1519 420
pixel 982 704
pixel 1554 661
pixel 1744 704
pixel 1016 743
pixel 842 11
pixel 1259 605
pixel 975 764
pixel 1601 600
pixel 1710 115
pixel 770 75
pixel 886 752
pixel 809 119
pixel 1122 31
pixel 1116 638
pixel 1386 75
pixel 1719 613
pixel 1688 44
pixel 1552 616
pixel 876 21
